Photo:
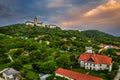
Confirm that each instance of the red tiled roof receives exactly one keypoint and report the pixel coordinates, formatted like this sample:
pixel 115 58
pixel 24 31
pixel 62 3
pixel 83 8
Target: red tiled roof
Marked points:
pixel 118 53
pixel 98 59
pixel 103 45
pixel 76 75
pixel 25 52
pixel 115 47
pixel 112 46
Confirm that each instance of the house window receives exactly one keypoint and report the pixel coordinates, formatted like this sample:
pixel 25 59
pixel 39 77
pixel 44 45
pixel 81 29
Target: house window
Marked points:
pixel 107 66
pixel 91 60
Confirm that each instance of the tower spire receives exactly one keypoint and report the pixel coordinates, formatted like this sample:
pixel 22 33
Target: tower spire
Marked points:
pixel 35 20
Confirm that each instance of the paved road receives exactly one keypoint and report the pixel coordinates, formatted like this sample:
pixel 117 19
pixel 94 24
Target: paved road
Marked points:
pixel 9 57
pixel 118 75
pixel 1 79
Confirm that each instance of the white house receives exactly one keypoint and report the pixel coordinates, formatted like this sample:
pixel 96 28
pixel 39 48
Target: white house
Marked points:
pixel 89 49
pixel 106 46
pixel 72 75
pixel 95 62
pixel 43 76
pixel 11 74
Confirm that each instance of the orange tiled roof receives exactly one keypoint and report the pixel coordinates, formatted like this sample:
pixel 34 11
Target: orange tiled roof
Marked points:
pixel 103 45
pixel 76 75
pixel 112 46
pixel 118 53
pixel 115 47
pixel 98 59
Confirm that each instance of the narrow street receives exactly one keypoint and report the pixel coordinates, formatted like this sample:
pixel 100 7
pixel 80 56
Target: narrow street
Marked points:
pixel 9 57
pixel 2 79
pixel 118 75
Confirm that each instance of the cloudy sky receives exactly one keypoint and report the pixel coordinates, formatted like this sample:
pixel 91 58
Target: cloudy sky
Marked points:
pixel 103 15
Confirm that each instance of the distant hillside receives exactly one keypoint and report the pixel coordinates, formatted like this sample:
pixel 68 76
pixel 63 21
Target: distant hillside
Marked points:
pixel 33 31
pixel 98 35
pixel 95 33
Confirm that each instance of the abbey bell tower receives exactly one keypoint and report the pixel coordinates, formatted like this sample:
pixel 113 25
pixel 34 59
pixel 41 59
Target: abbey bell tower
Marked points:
pixel 35 20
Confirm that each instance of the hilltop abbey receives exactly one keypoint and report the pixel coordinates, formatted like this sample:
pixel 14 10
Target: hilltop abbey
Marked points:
pixel 42 24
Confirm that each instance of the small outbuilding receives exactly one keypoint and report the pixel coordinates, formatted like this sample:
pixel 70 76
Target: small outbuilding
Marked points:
pixel 11 74
pixel 43 76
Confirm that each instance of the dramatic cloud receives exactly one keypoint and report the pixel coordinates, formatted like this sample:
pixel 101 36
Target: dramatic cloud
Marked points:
pixel 111 6
pixel 69 14
pixel 58 3
pixel 105 17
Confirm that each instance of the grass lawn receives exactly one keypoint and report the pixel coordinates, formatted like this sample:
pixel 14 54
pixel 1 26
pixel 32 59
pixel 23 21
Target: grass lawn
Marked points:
pixel 81 70
pixel 93 73
pixel 99 74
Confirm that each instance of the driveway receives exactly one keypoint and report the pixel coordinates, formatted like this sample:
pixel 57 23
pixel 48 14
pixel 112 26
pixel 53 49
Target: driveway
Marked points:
pixel 2 79
pixel 118 75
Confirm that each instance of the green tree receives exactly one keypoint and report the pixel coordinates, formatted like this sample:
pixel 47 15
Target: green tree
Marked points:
pixel 110 52
pixel 115 65
pixel 35 55
pixel 24 59
pixel 30 75
pixel 15 52
pixel 72 58
pixel 63 61
pixel 17 64
pixel 48 67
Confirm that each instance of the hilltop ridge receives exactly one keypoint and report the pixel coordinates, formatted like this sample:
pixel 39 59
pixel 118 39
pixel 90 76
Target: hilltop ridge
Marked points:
pixel 33 31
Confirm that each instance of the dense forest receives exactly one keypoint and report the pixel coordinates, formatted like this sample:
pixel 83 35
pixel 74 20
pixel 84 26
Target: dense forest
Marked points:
pixel 50 48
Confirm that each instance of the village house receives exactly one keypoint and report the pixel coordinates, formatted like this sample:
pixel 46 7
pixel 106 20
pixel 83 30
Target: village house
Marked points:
pixel 40 41
pixel 106 46
pixel 115 47
pixel 72 75
pixel 95 62
pixel 43 76
pixel 73 38
pixel 11 74
pixel 65 39
pixel 118 53
pixel 47 42
pixel 89 49
pixel 25 53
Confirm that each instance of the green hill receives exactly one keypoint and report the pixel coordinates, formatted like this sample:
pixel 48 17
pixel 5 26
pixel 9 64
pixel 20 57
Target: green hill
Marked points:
pixel 96 34
pixel 33 31
pixel 49 49
pixel 99 36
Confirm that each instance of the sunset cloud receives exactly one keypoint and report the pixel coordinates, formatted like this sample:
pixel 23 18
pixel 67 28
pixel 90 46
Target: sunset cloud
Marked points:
pixel 111 5
pixel 105 16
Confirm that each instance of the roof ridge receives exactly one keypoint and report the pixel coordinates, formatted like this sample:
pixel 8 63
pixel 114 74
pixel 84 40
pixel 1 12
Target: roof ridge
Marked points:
pixel 99 59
